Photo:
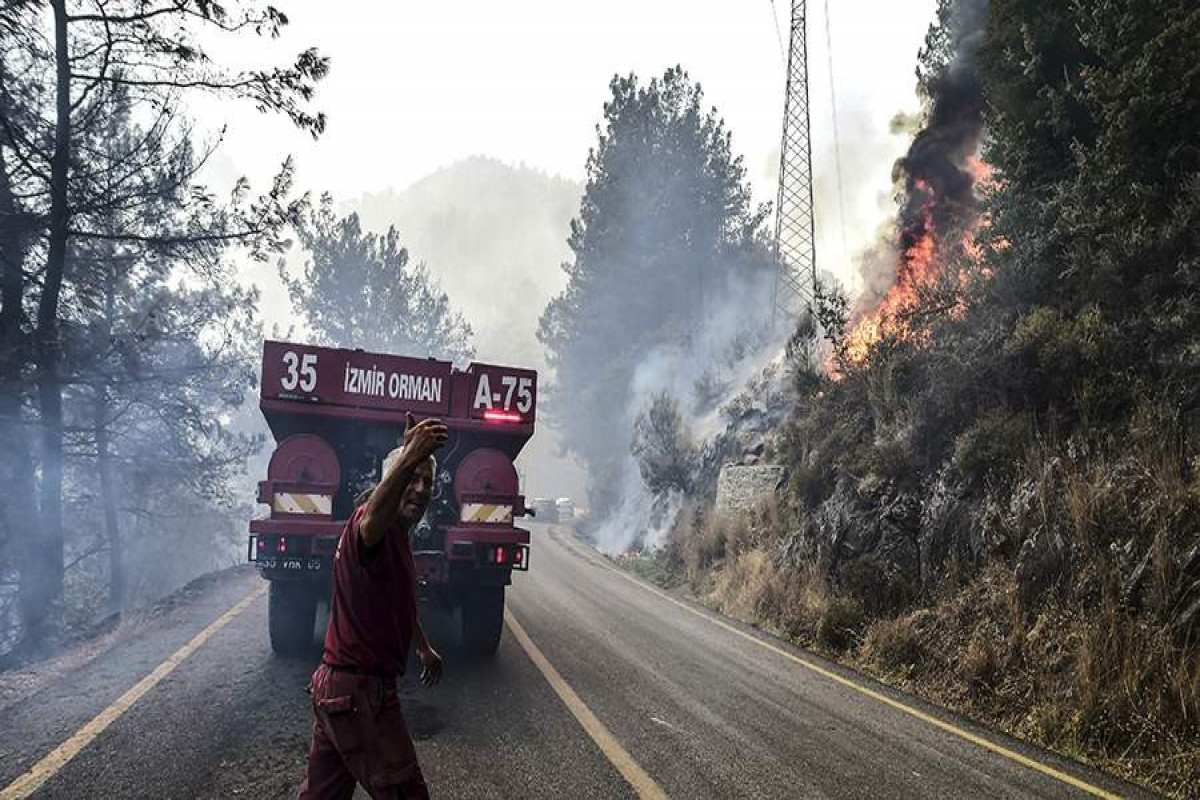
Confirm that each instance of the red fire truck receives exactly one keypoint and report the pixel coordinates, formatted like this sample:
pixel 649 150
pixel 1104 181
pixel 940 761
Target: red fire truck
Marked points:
pixel 335 415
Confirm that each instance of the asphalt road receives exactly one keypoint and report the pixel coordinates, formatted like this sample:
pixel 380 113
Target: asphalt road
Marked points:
pixel 646 696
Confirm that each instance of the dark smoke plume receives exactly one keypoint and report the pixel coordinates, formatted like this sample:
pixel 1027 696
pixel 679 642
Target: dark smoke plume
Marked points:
pixel 937 176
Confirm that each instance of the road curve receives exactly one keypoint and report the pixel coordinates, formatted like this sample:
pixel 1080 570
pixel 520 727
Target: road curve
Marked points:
pixel 602 688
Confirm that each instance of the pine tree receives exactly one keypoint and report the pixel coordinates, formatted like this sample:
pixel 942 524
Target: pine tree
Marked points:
pixel 665 223
pixel 359 289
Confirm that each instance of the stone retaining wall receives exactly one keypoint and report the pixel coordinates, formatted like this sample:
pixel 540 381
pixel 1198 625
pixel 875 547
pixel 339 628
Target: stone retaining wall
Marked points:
pixel 739 486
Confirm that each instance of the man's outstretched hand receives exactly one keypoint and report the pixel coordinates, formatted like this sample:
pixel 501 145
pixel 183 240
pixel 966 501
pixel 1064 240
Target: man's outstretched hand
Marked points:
pixel 424 438
pixel 431 665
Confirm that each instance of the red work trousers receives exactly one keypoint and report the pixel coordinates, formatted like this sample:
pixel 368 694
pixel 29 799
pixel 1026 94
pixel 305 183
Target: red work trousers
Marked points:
pixel 359 736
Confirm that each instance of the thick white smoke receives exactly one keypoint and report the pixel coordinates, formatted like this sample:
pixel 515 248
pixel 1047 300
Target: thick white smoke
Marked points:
pixel 732 343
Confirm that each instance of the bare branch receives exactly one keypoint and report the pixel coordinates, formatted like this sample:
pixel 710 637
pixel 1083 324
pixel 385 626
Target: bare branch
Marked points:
pixel 108 38
pixel 17 138
pixel 268 23
pixel 126 19
pixel 99 547
pixel 197 83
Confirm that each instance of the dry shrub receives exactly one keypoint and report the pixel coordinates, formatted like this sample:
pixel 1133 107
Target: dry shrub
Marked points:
pixel 1137 689
pixel 1088 496
pixel 1054 725
pixel 752 587
pixel 698 541
pixel 774 516
pixel 740 533
pixel 805 602
pixel 882 590
pixel 755 587
pixel 746 585
pixel 980 664
pixel 708 544
pixel 1093 680
pixel 766 525
pixel 1102 501
pixel 893 643
pixel 751 583
pixel 839 625
pixel 1140 497
pixel 1101 682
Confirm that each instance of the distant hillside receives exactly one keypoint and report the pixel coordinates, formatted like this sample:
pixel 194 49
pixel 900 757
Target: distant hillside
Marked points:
pixel 495 236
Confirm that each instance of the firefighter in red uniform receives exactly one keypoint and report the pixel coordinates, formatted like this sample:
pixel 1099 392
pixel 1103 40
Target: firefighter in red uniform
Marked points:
pixel 359 735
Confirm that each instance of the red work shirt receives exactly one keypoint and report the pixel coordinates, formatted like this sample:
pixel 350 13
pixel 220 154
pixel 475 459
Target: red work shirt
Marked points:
pixel 371 613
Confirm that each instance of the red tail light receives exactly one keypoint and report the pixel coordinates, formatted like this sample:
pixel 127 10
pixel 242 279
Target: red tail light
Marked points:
pixel 282 546
pixel 501 416
pixel 501 555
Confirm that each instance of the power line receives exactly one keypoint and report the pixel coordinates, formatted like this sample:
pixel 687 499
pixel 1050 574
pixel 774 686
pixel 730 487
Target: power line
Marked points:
pixel 778 32
pixel 837 143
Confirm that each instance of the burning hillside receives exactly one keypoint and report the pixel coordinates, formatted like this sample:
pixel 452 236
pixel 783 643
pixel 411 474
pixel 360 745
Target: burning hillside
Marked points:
pixel 922 258
pixel 938 181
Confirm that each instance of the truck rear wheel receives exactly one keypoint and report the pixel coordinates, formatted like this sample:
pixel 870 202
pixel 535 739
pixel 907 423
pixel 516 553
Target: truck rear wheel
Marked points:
pixel 291 614
pixel 483 619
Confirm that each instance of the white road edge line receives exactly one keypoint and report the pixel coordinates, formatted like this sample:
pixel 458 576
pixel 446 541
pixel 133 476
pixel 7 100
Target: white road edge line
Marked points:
pixel 637 777
pixel 60 756
pixel 948 727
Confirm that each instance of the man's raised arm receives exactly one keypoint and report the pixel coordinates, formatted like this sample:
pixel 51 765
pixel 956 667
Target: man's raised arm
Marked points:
pixel 420 442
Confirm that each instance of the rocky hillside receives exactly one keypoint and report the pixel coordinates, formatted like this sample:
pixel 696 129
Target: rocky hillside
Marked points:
pixel 992 492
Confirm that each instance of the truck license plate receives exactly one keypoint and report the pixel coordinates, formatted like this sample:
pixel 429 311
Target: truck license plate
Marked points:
pixel 291 564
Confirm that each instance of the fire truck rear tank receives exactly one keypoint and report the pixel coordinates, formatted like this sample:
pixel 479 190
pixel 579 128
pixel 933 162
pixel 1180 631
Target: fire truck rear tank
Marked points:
pixel 336 415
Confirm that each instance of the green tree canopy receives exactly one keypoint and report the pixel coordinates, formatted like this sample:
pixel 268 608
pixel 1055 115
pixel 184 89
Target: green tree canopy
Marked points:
pixel 160 345
pixel 359 289
pixel 1095 220
pixel 665 224
pixel 667 456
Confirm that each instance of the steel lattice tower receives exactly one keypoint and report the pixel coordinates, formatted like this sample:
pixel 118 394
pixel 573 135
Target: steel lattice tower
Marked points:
pixel 795 235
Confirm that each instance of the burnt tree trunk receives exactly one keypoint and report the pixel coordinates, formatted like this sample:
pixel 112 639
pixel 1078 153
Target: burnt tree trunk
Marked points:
pixel 19 526
pixel 104 455
pixel 48 576
pixel 108 497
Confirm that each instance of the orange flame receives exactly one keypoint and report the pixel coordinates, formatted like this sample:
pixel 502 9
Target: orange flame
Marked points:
pixel 918 266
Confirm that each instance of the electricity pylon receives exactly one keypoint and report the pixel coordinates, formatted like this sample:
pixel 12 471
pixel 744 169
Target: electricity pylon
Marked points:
pixel 795 234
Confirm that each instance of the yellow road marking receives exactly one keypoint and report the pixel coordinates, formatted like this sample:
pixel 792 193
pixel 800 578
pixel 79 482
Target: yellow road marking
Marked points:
pixel 45 769
pixel 1037 766
pixel 641 782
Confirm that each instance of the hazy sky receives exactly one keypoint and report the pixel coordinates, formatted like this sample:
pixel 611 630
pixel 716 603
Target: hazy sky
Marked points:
pixel 415 86
pixel 418 85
